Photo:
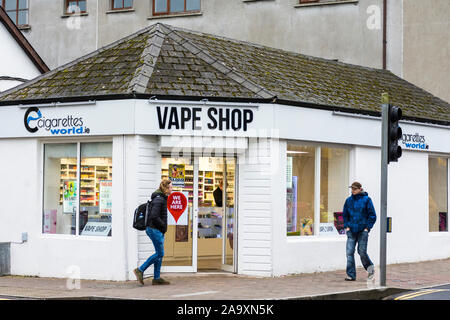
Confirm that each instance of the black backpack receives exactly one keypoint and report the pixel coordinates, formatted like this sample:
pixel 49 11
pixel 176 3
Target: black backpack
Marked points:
pixel 141 215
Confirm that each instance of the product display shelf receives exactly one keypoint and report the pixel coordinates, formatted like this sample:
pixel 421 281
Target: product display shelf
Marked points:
pixel 91 173
pixel 208 181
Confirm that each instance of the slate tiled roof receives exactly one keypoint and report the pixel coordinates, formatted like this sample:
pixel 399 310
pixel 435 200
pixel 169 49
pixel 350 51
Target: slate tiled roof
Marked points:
pixel 162 60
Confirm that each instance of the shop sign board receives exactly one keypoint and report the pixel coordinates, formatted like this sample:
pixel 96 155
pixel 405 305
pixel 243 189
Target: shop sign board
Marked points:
pixel 177 205
pixel 205 119
pixel 93 228
pixel 67 119
pixel 414 142
pixel 50 221
pixel 214 117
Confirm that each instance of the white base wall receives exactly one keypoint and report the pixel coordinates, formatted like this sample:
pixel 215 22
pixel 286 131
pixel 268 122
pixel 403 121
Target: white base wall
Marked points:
pixel 53 255
pixel 410 240
pixel 263 247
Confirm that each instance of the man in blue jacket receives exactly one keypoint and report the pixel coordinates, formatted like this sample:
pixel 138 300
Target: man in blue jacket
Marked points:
pixel 359 218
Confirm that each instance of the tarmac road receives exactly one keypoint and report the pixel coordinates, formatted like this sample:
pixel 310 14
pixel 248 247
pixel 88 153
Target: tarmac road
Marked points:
pixel 431 293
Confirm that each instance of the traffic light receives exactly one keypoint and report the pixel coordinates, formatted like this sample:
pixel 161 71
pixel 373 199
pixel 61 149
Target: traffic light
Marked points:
pixel 394 133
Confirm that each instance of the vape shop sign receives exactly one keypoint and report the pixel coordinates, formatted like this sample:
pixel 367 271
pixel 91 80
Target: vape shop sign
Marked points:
pixel 177 205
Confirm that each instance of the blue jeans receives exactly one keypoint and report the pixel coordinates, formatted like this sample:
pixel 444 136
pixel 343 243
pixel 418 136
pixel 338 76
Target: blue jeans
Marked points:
pixel 158 242
pixel 361 238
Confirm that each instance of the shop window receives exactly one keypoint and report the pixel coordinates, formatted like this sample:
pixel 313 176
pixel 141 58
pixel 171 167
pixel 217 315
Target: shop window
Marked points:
pixel 310 169
pixel 60 188
pixel 78 189
pixel 162 7
pixel 75 6
pixel 438 194
pixel 334 173
pixel 300 190
pixel 17 10
pixel 121 4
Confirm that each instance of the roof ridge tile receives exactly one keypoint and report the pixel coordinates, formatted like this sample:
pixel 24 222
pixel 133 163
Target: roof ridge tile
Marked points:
pixel 148 57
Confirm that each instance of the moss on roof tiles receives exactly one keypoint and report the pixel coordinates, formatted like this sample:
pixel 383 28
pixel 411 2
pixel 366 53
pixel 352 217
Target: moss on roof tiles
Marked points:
pixel 176 67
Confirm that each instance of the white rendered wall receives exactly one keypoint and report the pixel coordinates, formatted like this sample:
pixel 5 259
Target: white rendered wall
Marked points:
pixel 13 61
pixel 410 240
pixel 52 255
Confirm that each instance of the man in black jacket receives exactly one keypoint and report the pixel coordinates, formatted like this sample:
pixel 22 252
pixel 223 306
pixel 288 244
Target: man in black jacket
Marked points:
pixel 157 227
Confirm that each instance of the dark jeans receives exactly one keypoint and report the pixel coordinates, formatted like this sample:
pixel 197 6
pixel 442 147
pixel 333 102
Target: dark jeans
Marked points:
pixel 361 238
pixel 158 242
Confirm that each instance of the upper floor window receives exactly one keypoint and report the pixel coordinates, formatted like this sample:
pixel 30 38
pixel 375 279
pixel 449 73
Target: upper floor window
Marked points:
pixel 17 10
pixel 76 6
pixel 161 7
pixel 121 4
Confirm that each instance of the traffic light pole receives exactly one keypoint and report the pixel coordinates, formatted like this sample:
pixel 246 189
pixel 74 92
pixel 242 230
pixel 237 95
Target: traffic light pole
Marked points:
pixel 384 175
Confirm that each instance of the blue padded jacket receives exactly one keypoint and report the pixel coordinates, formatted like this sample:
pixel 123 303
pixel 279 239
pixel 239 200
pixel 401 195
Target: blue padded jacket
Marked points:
pixel 359 213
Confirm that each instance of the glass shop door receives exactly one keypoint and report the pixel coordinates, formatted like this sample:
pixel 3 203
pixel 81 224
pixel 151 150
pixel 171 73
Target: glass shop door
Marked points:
pixel 229 234
pixel 180 246
pixel 216 197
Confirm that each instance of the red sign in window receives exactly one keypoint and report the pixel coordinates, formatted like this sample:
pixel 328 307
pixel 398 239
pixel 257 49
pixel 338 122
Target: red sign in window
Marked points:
pixel 176 204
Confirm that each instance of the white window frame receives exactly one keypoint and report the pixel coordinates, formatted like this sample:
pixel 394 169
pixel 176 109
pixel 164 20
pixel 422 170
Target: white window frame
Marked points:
pixel 318 149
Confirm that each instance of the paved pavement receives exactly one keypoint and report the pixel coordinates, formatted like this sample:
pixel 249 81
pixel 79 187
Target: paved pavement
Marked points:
pixel 226 286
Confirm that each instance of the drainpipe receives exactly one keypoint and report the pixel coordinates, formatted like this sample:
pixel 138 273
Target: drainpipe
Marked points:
pixel 384 33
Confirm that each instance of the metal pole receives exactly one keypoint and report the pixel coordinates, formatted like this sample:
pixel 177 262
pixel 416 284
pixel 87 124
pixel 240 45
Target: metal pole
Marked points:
pixel 383 194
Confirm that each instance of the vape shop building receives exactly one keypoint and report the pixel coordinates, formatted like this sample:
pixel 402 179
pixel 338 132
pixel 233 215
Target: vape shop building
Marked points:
pixel 260 144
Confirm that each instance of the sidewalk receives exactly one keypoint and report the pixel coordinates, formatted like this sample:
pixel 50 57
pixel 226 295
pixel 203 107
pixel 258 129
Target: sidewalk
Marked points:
pixel 226 286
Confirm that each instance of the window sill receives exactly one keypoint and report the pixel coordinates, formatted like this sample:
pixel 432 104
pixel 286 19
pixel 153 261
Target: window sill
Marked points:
pixel 55 236
pixel 24 27
pixel 299 239
pixel 439 233
pixel 255 0
pixel 314 4
pixel 175 15
pixel 119 11
pixel 68 15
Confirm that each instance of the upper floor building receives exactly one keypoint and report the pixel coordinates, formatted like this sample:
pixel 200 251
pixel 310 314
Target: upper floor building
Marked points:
pixel 19 62
pixel 411 38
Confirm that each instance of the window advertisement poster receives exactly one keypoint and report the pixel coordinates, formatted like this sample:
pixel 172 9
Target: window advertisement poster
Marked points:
pixel 339 222
pixel 181 233
pixel 50 221
pixel 177 207
pixel 69 196
pixel 105 194
pixel 292 206
pixel 177 174
pixel 443 221
pixel 291 194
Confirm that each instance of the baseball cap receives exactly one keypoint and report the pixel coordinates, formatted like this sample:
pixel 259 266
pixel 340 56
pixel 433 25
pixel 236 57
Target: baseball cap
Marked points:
pixel 356 185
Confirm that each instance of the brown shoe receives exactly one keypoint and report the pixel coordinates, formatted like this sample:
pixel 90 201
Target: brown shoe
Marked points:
pixel 139 276
pixel 160 281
